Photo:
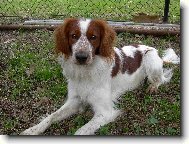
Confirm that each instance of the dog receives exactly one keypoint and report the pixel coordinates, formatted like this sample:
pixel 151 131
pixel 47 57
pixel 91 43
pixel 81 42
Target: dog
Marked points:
pixel 99 73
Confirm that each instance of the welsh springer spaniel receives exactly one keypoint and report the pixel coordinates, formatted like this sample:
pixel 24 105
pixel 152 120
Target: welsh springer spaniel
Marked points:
pixel 98 73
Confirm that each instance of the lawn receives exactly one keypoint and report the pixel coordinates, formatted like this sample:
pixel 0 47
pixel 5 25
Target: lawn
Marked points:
pixel 32 86
pixel 123 10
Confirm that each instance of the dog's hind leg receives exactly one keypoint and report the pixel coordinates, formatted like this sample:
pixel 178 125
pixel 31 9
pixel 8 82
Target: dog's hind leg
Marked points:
pixel 69 108
pixel 156 74
pixel 154 70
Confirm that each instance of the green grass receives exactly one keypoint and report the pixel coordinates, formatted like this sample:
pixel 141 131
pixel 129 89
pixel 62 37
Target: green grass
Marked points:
pixel 111 10
pixel 32 85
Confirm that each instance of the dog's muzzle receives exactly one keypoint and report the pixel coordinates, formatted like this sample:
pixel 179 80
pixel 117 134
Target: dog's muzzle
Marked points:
pixel 81 57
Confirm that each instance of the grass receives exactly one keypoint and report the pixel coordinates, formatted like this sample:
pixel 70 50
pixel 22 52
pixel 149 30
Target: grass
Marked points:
pixel 111 10
pixel 32 85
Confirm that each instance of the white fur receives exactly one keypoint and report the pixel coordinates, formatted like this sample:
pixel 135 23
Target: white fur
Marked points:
pixel 92 84
pixel 84 24
pixel 129 50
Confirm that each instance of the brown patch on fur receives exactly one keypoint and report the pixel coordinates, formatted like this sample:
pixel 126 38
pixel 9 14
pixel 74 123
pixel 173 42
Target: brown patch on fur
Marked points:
pixel 63 34
pixel 131 64
pixel 107 38
pixel 117 65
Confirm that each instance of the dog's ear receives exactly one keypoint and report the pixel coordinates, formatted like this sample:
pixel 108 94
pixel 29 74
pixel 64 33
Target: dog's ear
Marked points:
pixel 62 38
pixel 108 37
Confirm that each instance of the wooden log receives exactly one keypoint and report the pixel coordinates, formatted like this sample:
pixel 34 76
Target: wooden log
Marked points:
pixel 148 30
pixel 136 29
pixel 112 23
pixel 26 27
pixel 43 22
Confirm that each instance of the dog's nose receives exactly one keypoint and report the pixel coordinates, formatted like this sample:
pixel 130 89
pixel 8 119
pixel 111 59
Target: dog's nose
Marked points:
pixel 81 57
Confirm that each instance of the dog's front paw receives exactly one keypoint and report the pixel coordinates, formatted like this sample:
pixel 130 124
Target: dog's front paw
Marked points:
pixel 79 132
pixel 30 131
pixel 84 131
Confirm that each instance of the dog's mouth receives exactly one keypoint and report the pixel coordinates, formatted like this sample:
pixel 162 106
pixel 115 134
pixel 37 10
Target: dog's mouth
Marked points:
pixel 88 62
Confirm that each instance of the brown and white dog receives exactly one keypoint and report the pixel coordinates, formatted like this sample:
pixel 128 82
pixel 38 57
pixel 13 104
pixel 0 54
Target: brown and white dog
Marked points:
pixel 98 73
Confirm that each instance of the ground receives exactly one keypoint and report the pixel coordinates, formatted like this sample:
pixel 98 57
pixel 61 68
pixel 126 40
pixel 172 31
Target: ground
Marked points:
pixel 32 86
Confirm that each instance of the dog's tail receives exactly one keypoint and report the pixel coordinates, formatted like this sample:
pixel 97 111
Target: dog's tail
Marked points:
pixel 169 57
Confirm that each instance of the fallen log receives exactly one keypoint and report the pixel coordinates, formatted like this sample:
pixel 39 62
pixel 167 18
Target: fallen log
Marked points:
pixel 135 29
pixel 112 23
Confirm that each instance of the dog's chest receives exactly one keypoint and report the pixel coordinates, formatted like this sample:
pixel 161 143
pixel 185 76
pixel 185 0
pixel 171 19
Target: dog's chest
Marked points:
pixel 83 89
pixel 85 81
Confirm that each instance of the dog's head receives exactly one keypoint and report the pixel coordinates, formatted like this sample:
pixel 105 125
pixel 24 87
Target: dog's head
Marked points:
pixel 82 39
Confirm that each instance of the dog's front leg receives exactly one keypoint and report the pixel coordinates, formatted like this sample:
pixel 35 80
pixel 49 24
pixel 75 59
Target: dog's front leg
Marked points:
pixel 103 108
pixel 95 123
pixel 69 108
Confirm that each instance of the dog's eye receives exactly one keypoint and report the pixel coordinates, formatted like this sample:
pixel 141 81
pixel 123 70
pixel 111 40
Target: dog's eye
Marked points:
pixel 93 37
pixel 74 36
